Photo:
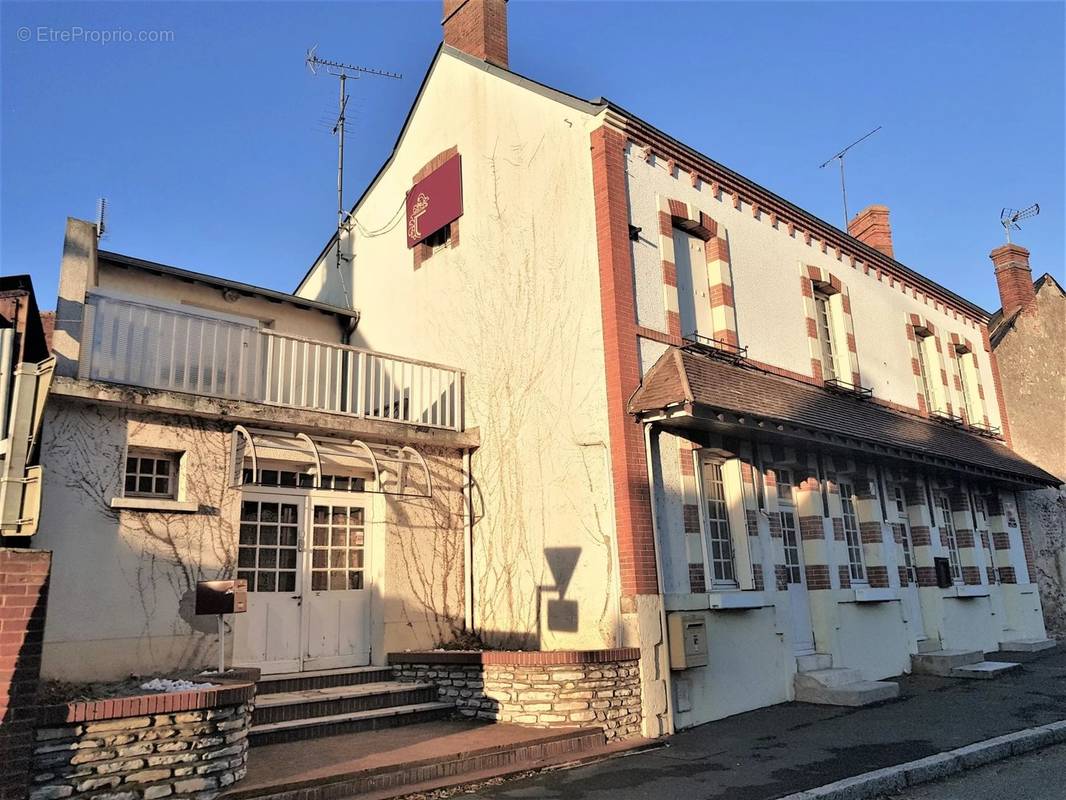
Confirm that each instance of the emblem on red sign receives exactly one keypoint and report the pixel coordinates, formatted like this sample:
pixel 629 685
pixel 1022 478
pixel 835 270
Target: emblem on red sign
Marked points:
pixel 435 201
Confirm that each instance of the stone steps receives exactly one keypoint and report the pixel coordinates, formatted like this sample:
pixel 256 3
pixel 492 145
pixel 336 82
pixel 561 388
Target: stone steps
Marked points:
pixel 311 703
pixel 1026 645
pixel 814 661
pixel 321 679
pixel 334 724
pixel 959 664
pixel 841 687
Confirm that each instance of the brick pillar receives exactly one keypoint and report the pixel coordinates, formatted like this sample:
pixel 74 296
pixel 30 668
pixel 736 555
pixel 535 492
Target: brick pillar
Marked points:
pixel 812 532
pixel 971 557
pixel 23 597
pixel 919 515
pixel 872 531
pixel 997 529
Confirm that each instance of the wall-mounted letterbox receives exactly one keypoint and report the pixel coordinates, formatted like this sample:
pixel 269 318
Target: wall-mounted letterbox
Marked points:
pixel 221 597
pixel 688 640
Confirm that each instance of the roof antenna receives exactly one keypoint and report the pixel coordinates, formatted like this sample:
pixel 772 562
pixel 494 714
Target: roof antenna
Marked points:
pixel 343 72
pixel 1009 218
pixel 840 157
pixel 101 218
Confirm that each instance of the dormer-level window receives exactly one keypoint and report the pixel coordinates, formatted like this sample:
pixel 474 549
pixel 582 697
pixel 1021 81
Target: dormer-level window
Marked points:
pixel 824 321
pixel 923 374
pixel 964 385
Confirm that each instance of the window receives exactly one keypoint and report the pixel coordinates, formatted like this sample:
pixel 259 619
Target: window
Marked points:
pixel 151 473
pixel 439 237
pixel 789 529
pixel 824 322
pixel 693 303
pixel 948 531
pixel 923 374
pixel 964 383
pixel 337 542
pixel 905 539
pixel 267 544
pixel 719 539
pixel 303 480
pixel 851 533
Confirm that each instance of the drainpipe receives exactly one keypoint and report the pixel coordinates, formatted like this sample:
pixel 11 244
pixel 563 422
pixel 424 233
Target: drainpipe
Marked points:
pixel 468 546
pixel 668 678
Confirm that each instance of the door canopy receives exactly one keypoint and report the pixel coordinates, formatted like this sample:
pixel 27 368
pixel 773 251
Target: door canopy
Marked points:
pixel 389 469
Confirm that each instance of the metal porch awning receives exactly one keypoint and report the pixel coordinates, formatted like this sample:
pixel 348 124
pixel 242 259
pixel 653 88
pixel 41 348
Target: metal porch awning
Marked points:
pixel 389 469
pixel 692 393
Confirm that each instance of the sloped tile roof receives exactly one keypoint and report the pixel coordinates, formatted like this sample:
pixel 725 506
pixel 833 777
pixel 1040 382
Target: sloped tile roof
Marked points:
pixel 684 377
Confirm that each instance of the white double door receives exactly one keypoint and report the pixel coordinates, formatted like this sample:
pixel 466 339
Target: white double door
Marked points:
pixel 305 557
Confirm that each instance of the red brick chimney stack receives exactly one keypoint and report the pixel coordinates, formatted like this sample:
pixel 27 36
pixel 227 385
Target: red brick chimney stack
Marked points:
pixel 477 27
pixel 871 226
pixel 1014 277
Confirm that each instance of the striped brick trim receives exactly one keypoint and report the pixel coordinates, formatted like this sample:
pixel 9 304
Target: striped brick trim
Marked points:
pixel 966 360
pixel 815 279
pixel 422 252
pixel 920 332
pixel 531 658
pixel 629 472
pixel 685 216
pixel 143 705
pixel 878 577
pixel 997 385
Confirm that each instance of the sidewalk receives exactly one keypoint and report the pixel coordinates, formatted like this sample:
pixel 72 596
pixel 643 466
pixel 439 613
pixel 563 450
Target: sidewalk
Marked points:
pixel 775 751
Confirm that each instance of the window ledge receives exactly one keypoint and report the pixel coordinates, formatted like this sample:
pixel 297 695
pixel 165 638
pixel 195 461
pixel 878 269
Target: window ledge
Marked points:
pixel 154 504
pixel 868 594
pixel 964 591
pixel 726 600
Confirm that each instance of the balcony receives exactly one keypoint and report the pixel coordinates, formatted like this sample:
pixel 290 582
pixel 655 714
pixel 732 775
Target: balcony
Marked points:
pixel 141 342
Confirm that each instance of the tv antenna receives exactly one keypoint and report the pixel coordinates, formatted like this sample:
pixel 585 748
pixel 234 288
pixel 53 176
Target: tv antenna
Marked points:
pixel 341 71
pixel 840 157
pixel 101 218
pixel 1010 217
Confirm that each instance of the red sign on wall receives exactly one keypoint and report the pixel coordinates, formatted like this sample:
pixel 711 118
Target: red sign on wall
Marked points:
pixel 435 201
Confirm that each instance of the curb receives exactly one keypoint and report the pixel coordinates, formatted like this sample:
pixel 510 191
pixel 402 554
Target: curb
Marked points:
pixel 912 773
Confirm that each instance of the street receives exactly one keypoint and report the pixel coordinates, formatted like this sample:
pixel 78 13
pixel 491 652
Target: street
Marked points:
pixel 1035 776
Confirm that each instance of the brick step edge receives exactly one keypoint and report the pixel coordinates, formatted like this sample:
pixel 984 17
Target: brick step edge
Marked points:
pixel 329 706
pixel 270 685
pixel 890 780
pixel 515 757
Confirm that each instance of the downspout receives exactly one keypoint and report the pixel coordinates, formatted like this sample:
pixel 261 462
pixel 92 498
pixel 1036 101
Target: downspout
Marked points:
pixel 668 677
pixel 468 546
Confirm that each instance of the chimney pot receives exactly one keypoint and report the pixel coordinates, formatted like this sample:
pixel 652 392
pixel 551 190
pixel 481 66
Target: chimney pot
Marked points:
pixel 478 28
pixel 871 227
pixel 1014 277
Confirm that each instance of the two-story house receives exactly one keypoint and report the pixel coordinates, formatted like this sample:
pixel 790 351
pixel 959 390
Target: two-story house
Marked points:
pixel 712 425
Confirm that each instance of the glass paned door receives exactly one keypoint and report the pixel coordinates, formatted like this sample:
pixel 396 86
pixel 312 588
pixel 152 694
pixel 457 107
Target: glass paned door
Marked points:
pixel 798 599
pixel 337 601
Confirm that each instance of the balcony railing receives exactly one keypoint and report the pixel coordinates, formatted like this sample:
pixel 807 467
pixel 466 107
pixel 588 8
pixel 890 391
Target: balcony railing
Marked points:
pixel 141 343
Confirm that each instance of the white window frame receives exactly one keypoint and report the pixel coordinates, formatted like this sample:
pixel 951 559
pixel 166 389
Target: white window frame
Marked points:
pixel 710 524
pixel 173 476
pixel 907 543
pixel 923 373
pixel 786 509
pixel 852 533
pixel 943 503
pixel 827 345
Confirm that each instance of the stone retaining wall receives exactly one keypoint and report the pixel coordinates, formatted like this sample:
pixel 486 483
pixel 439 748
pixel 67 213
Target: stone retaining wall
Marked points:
pixel 176 745
pixel 539 689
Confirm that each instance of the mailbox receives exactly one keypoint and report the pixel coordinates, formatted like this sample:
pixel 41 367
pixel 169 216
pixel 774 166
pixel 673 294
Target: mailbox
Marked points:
pixel 221 597
pixel 943 573
pixel 688 640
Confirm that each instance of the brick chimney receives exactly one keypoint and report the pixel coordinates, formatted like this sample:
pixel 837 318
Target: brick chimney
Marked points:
pixel 477 27
pixel 871 226
pixel 1014 277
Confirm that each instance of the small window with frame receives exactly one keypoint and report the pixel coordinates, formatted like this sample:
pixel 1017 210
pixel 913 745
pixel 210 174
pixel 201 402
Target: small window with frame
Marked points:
pixel 151 473
pixel 439 237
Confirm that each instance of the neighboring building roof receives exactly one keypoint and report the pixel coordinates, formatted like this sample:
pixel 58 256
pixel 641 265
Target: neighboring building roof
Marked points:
pixel 600 104
pixel 18 310
pixel 222 283
pixel 706 387
pixel 998 326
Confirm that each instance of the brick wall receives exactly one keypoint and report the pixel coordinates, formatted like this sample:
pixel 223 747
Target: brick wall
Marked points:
pixel 563 689
pixel 23 599
pixel 178 745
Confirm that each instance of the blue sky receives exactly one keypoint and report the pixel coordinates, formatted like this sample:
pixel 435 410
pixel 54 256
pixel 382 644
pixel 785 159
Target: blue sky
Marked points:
pixel 213 153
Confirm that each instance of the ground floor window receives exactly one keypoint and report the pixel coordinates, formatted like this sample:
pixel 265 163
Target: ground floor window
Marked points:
pixel 905 535
pixel 851 533
pixel 716 520
pixel 952 542
pixel 789 529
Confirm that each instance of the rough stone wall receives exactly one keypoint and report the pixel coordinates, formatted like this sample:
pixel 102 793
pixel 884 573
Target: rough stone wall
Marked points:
pixel 1046 513
pixel 186 754
pixel 23 597
pixel 541 696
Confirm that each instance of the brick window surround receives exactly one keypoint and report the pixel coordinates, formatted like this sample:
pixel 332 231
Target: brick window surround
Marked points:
pixel 936 379
pixel 815 279
pixel 684 216
pixel 422 252
pixel 969 389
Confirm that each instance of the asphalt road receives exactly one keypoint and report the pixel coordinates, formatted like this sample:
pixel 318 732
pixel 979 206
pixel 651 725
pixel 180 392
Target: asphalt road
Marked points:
pixel 774 751
pixel 1040 775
